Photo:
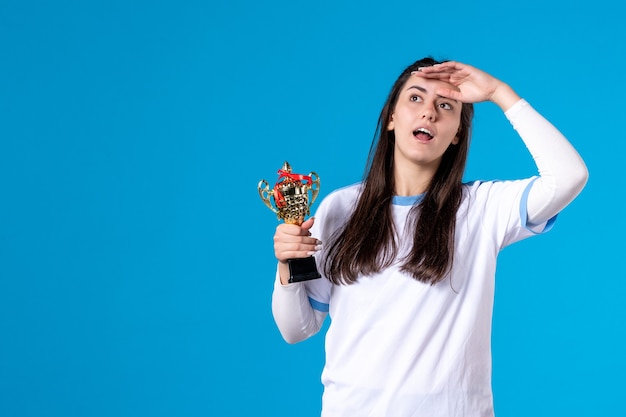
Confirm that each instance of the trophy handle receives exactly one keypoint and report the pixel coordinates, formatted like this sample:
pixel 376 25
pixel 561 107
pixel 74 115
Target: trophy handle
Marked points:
pixel 315 186
pixel 266 192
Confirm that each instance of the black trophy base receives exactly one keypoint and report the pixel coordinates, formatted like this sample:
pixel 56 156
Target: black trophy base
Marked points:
pixel 302 269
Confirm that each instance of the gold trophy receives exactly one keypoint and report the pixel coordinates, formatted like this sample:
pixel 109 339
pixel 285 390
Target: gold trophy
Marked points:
pixel 291 203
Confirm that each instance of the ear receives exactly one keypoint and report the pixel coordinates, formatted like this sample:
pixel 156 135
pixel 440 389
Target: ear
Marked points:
pixel 390 125
pixel 456 139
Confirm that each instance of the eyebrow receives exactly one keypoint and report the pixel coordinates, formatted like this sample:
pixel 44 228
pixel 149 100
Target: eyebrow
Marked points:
pixel 425 91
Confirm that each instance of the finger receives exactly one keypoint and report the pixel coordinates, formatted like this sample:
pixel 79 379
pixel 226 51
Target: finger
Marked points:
pixel 447 71
pixel 292 229
pixel 285 229
pixel 308 224
pixel 438 68
pixel 450 93
pixel 291 234
pixel 288 239
pixel 432 75
pixel 449 66
pixel 284 251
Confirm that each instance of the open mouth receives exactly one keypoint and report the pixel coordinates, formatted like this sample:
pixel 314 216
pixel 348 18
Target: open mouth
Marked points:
pixel 423 134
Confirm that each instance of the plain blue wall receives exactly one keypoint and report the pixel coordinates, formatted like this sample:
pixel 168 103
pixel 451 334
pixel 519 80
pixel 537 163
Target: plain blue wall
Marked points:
pixel 136 260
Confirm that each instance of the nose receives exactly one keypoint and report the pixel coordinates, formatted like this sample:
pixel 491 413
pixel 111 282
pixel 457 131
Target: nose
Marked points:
pixel 428 114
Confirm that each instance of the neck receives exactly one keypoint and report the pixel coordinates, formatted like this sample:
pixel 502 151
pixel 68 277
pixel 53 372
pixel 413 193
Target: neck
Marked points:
pixel 404 190
pixel 413 181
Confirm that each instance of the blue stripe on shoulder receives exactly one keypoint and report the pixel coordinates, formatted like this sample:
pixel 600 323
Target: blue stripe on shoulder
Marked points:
pixel 318 306
pixel 523 209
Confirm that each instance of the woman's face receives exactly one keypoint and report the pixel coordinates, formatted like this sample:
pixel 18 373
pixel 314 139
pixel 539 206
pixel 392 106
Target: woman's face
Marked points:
pixel 424 123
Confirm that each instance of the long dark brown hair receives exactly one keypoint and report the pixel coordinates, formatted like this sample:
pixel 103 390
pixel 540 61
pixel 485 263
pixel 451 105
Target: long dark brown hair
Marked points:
pixel 356 250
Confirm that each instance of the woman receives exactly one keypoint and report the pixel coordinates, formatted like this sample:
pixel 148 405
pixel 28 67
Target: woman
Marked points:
pixel 409 254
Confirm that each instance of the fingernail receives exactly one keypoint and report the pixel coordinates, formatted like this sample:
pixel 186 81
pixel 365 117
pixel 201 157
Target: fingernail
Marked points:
pixel 318 247
pixel 310 253
pixel 318 242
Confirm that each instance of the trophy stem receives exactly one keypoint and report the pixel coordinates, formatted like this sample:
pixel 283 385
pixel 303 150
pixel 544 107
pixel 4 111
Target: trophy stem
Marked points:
pixel 302 269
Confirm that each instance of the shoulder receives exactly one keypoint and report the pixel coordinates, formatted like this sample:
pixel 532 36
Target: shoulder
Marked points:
pixel 336 208
pixel 496 188
pixel 495 198
pixel 342 198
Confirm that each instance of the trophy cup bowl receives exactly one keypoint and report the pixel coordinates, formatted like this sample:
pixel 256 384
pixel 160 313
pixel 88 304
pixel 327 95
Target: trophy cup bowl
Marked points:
pixel 291 199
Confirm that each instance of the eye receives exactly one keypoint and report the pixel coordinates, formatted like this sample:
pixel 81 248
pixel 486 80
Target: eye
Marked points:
pixel 415 98
pixel 445 106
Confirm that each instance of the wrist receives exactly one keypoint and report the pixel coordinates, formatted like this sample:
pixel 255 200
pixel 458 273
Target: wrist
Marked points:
pixel 283 272
pixel 504 96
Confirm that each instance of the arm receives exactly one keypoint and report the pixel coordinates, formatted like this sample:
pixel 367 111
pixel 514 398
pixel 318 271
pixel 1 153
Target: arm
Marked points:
pixel 295 317
pixel 293 314
pixel 563 173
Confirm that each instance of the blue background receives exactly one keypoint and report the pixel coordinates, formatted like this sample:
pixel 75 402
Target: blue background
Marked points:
pixel 136 259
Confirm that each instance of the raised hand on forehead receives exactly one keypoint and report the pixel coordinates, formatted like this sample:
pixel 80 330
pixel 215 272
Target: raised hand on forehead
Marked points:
pixel 473 84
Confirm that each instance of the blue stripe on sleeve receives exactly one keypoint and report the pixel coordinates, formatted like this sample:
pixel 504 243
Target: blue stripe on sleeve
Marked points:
pixel 523 209
pixel 318 306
